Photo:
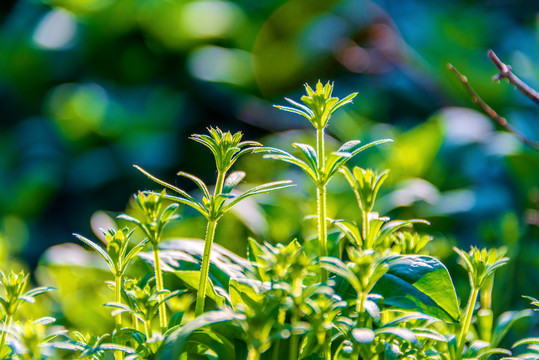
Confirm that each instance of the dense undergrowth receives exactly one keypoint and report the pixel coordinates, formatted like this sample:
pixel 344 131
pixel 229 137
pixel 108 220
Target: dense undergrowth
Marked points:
pixel 363 288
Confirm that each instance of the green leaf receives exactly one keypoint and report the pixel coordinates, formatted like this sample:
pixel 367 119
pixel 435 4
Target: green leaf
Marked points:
pixel 164 183
pixel 245 291
pixel 403 333
pixel 100 251
pixel 505 321
pixel 420 283
pixel 346 152
pixel 281 155
pixel 192 203
pixel 310 153
pixel 350 230
pixel 393 226
pixel 527 341
pixel 192 278
pixel 198 182
pixel 175 342
pixel 339 268
pixel 293 110
pixel 301 106
pixel 485 354
pixel 261 189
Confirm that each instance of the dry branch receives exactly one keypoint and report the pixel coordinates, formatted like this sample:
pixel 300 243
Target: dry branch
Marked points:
pixel 490 111
pixel 506 73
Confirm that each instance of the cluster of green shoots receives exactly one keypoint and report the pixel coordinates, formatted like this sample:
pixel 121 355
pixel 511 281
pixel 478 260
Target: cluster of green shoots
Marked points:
pixel 367 290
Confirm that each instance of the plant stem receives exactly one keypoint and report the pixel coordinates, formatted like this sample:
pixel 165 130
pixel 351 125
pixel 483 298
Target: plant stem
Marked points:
pixel 321 201
pixel 366 230
pixel 467 321
pixel 7 325
pixel 281 317
pixel 148 329
pixel 326 348
pixel 253 354
pixel 201 294
pixel 294 339
pixel 135 322
pixel 160 287
pixel 118 299
pixel 210 234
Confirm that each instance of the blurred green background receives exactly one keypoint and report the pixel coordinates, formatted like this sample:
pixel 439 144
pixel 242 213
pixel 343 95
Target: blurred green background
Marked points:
pixel 90 87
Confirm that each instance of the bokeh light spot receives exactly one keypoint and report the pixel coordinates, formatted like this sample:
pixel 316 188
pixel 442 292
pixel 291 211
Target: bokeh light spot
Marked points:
pixel 213 63
pixel 206 19
pixel 57 30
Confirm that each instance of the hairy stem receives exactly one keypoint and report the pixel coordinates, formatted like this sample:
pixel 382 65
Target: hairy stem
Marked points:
pixel 467 321
pixel 201 294
pixel 7 325
pixel 210 234
pixel 321 201
pixel 160 287
pixel 118 318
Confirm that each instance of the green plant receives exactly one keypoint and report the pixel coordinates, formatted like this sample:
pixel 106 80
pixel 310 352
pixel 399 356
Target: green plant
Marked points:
pixel 378 294
pixel 155 217
pixel 15 294
pixel 480 265
pixel 318 107
pixel 227 149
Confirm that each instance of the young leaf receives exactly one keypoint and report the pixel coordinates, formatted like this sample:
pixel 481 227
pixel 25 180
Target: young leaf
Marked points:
pixel 261 189
pixel 99 250
pixel 198 182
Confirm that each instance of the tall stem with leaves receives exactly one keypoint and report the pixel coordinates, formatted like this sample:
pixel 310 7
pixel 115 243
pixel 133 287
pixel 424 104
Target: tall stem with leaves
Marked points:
pixel 318 106
pixel 14 286
pixel 321 201
pixel 227 148
pixel 155 217
pixel 480 265
pixel 117 257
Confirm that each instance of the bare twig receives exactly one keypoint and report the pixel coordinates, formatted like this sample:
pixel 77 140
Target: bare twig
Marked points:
pixel 490 111
pixel 506 73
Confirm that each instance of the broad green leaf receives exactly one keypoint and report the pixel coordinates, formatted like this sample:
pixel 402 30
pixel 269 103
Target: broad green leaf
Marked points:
pixel 245 291
pixel 219 344
pixel 186 254
pixel 175 342
pixel 192 278
pixel 420 283
pixel 505 321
